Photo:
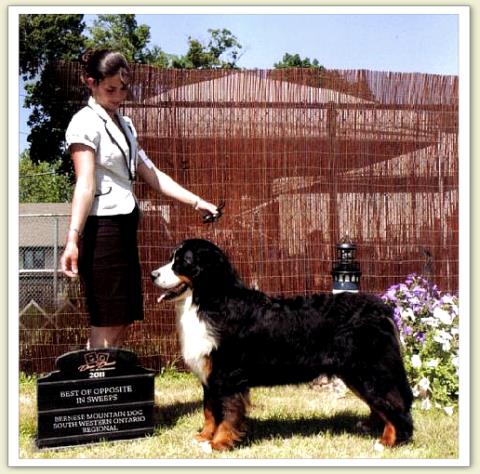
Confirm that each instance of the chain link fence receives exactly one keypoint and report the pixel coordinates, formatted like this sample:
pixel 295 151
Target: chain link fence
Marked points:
pixel 42 239
pixel 51 308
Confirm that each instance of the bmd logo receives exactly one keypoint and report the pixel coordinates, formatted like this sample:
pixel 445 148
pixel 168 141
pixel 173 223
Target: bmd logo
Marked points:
pixel 96 361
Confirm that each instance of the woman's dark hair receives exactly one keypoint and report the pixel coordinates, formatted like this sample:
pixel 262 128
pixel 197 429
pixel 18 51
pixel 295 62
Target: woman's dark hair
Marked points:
pixel 102 63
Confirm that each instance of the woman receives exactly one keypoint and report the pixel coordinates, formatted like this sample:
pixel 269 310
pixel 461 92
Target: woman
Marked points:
pixel 101 241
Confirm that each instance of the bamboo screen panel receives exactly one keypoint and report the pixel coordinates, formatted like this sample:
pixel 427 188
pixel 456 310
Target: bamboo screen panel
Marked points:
pixel 301 158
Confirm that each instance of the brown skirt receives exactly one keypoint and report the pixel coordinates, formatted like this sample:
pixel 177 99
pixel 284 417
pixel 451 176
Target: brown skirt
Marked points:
pixel 110 269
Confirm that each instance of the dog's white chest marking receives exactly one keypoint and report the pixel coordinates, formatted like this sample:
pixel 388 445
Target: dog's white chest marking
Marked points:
pixel 195 341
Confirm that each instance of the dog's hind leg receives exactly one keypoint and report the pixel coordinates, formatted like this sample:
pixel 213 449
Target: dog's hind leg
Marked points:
pixel 387 402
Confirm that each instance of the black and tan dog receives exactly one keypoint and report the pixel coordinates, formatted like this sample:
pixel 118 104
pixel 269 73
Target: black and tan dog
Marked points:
pixel 234 338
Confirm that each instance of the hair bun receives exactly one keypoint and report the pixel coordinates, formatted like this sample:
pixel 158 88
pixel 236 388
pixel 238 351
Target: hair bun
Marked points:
pixel 101 63
pixel 86 56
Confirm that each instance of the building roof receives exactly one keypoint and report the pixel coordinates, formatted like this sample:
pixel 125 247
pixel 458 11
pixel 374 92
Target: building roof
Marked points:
pixel 237 87
pixel 251 104
pixel 43 224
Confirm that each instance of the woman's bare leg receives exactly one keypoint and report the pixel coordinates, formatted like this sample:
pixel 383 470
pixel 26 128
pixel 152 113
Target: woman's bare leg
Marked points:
pixel 107 336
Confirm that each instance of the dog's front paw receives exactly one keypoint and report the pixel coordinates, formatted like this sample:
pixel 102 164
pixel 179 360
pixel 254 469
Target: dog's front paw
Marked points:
pixel 204 445
pixel 379 447
pixel 204 436
pixel 221 446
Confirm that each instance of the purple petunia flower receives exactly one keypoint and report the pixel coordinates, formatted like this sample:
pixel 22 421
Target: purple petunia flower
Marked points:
pixel 420 337
pixel 422 313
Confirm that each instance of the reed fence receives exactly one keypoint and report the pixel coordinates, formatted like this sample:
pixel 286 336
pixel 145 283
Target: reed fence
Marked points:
pixel 301 158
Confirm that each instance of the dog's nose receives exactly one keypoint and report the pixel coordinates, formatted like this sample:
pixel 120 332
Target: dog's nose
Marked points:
pixel 154 275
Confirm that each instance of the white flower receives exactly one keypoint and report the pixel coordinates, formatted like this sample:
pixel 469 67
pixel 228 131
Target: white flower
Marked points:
pixel 416 361
pixel 420 390
pixel 444 335
pixel 448 410
pixel 408 314
pixel 433 363
pixel 444 316
pixel 432 322
pixel 443 338
pixel 448 299
pixel 426 404
pixel 424 384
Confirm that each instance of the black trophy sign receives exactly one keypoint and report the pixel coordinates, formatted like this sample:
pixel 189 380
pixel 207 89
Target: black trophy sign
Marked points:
pixel 95 394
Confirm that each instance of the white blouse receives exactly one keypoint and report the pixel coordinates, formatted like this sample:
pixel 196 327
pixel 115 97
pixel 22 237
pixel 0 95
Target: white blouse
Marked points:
pixel 116 157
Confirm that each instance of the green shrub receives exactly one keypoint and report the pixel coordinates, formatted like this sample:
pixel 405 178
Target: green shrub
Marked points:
pixel 428 324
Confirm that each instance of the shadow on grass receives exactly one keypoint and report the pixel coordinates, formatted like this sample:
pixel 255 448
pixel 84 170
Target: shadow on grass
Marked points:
pixel 342 423
pixel 168 415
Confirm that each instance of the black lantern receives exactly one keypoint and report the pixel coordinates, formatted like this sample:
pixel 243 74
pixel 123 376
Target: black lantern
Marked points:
pixel 346 270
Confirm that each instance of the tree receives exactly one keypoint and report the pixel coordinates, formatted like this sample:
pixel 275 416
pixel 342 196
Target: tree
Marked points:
pixel 316 75
pixel 45 39
pixel 122 33
pixel 295 61
pixel 42 182
pixel 224 43
pixel 221 52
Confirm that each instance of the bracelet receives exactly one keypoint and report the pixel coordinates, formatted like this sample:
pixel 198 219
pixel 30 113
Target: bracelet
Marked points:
pixel 196 203
pixel 72 229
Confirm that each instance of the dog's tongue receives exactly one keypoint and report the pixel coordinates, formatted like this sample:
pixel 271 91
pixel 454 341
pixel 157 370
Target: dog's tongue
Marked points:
pixel 169 294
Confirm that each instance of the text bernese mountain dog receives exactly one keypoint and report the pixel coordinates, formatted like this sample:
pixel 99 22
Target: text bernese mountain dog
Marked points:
pixel 233 337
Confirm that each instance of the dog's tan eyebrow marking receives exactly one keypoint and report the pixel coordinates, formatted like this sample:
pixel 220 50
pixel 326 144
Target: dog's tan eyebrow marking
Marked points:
pixel 185 280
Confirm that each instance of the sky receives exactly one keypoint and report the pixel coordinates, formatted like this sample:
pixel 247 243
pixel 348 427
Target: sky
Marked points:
pixel 404 43
pixel 426 43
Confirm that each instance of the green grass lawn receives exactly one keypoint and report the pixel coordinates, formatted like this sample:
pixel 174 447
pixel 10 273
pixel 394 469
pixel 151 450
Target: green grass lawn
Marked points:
pixel 291 422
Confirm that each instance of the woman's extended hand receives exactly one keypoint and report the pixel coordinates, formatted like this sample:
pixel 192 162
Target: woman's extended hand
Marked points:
pixel 69 260
pixel 208 210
